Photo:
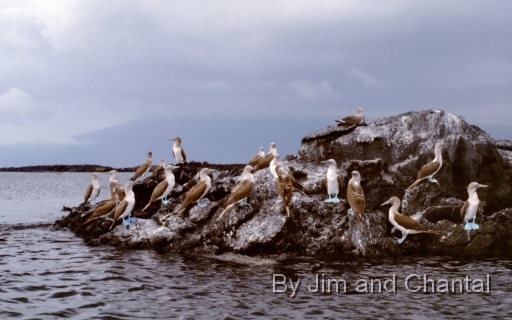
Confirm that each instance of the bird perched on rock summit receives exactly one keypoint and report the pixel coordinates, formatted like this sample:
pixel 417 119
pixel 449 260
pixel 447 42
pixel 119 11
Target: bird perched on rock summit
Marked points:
pixel 351 120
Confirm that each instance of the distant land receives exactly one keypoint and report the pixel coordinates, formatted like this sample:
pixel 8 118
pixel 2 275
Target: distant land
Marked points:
pixel 99 168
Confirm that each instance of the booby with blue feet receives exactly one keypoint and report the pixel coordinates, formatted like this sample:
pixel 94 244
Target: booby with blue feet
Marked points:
pixel 177 151
pixel 351 120
pixel 355 197
pixel 106 206
pixel 163 188
pixel 143 168
pixel 198 191
pixel 241 190
pixel 333 181
pixel 265 161
pixel 430 169
pixel 257 158
pixel 405 224
pixel 471 206
pixel 93 190
pixel 124 209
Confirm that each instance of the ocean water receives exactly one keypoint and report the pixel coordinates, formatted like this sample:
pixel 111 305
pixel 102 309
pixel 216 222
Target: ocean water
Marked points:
pixel 50 274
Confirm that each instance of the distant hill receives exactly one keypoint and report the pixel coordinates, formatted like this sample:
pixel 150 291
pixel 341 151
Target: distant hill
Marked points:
pixel 66 168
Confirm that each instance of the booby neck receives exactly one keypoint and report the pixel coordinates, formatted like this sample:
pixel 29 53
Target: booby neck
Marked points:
pixel 247 174
pixel 113 175
pixel 356 178
pixel 261 153
pixel 438 154
pixel 359 112
pixel 168 171
pixel 273 164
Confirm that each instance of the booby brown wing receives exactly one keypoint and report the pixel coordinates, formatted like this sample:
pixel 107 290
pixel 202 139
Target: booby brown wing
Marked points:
pixel 140 171
pixel 254 160
pixel 184 155
pixel 102 209
pixel 264 162
pixel 428 169
pixel 193 195
pixel 411 224
pixel 88 193
pixel 463 210
pixel 157 192
pixel 241 191
pixel 284 187
pixel 349 121
pixel 120 209
pixel 355 197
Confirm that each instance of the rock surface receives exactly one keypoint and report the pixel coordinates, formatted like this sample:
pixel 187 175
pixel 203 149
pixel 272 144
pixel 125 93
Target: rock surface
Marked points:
pixel 387 153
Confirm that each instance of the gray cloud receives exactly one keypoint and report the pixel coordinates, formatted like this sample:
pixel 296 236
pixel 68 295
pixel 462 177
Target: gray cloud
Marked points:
pixel 75 67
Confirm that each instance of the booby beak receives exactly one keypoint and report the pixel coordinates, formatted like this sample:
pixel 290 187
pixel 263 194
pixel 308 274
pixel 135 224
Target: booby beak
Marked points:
pixel 482 186
pixel 386 203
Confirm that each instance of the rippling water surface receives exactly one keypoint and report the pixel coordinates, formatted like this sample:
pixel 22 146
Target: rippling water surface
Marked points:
pixel 47 274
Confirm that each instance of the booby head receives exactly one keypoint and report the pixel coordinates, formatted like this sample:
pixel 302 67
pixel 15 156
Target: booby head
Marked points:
pixel 177 140
pixel 330 162
pixel 162 162
pixel 150 154
pixel 356 176
pixel 475 185
pixel 272 148
pixel 359 111
pixel 248 169
pixel 394 201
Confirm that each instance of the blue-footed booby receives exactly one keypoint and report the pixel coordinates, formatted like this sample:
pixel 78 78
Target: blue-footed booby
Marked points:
pixel 119 189
pixel 124 209
pixel 256 158
pixel 351 120
pixel 333 181
pixel 163 188
pixel 296 185
pixel 93 190
pixel 405 224
pixel 241 190
pixel 284 186
pixel 144 168
pixel 471 206
pixel 160 168
pixel 430 169
pixel 355 197
pixel 198 191
pixel 273 164
pixel 265 161
pixel 177 151
pixel 106 206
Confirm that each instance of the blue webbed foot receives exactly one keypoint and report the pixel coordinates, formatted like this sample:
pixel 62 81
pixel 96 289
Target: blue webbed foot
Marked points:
pixel 202 203
pixel 127 221
pixel 328 200
pixel 401 239
pixel 474 226
pixel 336 200
pixel 165 201
pixel 467 226
pixel 433 180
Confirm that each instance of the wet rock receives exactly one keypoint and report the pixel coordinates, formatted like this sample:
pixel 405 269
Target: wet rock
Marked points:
pixel 387 153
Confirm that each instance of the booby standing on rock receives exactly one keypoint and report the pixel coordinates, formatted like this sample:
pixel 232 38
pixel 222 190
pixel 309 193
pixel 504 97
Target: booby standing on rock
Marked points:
pixel 430 169
pixel 284 186
pixel 296 185
pixel 355 196
pixel 144 168
pixel 160 168
pixel 333 181
pixel 198 191
pixel 178 152
pixel 93 190
pixel 256 158
pixel 471 206
pixel 163 188
pixel 351 120
pixel 119 190
pixel 124 209
pixel 265 161
pixel 107 206
pixel 241 190
pixel 405 224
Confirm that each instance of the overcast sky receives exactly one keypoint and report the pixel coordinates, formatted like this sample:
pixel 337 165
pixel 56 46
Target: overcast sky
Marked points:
pixel 77 75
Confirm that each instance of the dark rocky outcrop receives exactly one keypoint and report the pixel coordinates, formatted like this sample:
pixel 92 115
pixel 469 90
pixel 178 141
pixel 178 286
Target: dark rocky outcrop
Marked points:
pixel 387 153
